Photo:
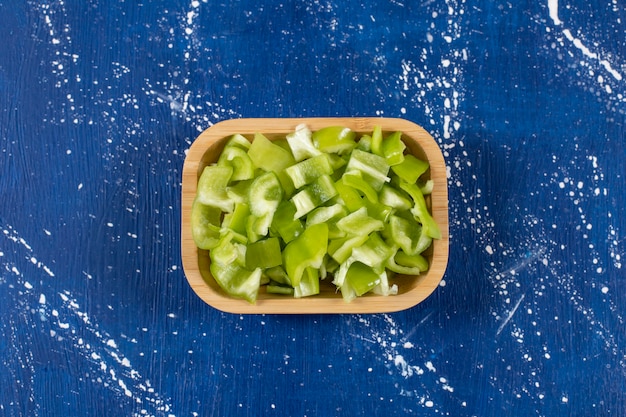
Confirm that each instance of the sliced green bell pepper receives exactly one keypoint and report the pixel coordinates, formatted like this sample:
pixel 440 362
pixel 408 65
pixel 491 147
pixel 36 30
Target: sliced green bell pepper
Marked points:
pixel 301 143
pixel 397 268
pixel 309 284
pixel 334 139
pixel 411 261
pixel 231 248
pixel 329 215
pixel 359 223
pixel 238 191
pixel 274 288
pixel 238 159
pixel 205 225
pixel 341 249
pixel 393 148
pixel 239 141
pixel 383 287
pixel 395 198
pixel 265 253
pixel 313 195
pixel 308 170
pixel 361 278
pixel 374 168
pixel 377 141
pixel 365 143
pixel 307 250
pixel 237 281
pixel 264 196
pixel 326 214
pixel 348 194
pixel 374 253
pixel 404 233
pixel 278 275
pixel 420 210
pixel 355 180
pixel 284 222
pixel 237 220
pixel 426 187
pixel 212 187
pixel 269 156
pixel 378 211
pixel 410 169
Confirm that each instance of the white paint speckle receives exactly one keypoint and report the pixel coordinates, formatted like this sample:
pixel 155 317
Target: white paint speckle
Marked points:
pixel 553 10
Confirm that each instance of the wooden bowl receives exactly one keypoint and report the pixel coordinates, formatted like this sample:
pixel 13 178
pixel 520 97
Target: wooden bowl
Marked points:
pixel 411 289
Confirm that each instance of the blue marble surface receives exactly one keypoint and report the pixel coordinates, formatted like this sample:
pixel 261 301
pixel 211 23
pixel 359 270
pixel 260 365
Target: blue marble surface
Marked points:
pixel 100 100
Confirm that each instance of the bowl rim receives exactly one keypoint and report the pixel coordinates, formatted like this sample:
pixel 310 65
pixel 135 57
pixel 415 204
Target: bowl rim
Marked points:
pixel 216 134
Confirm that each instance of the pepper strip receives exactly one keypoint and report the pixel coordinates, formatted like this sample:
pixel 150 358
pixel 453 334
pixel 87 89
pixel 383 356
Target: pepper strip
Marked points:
pixel 420 210
pixel 334 139
pixel 212 187
pixel 205 225
pixel 307 250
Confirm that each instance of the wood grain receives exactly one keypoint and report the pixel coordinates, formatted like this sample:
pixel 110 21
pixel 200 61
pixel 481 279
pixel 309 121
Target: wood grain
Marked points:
pixel 411 289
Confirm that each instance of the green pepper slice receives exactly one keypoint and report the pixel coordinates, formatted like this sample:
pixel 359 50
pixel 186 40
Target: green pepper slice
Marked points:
pixel 269 156
pixel 355 180
pixel 410 169
pixel 212 187
pixel 205 225
pixel 420 210
pixel 308 285
pixel 237 281
pixel 284 222
pixel 264 254
pixel 313 195
pixel 308 170
pixel 393 149
pixel 359 223
pixel 238 159
pixel 301 143
pixel 264 196
pixel 362 278
pixel 307 250
pixel 374 168
pixel 334 139
pixel 377 141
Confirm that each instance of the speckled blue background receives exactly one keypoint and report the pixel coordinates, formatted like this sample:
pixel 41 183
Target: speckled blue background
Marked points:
pixel 100 100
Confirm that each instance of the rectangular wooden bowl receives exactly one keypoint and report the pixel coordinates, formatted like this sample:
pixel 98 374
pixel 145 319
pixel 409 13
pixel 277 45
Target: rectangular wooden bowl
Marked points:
pixel 411 289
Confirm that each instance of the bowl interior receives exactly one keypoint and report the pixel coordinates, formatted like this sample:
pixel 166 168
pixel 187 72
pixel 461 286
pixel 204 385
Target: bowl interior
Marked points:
pixel 411 289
